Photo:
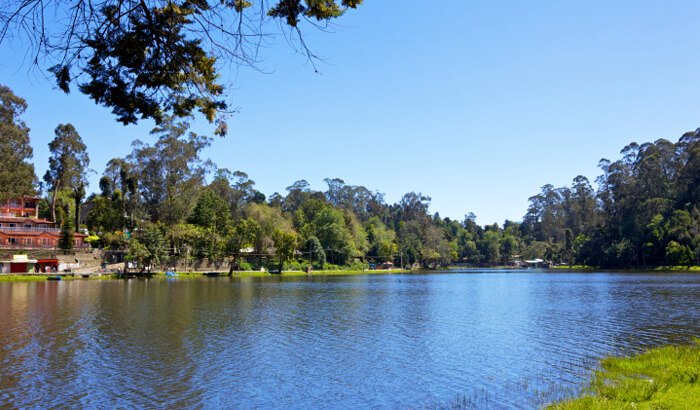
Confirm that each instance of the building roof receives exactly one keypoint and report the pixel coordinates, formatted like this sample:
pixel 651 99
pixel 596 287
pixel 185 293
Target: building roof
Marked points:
pixel 20 259
pixel 20 219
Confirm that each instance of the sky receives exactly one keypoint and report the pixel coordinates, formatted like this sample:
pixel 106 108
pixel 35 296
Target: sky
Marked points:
pixel 477 104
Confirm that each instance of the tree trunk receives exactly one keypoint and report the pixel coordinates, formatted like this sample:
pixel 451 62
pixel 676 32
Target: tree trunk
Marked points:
pixel 53 202
pixel 230 266
pixel 78 199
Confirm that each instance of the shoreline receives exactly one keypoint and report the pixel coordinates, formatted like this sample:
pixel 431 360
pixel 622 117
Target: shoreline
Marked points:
pixel 341 272
pixel 191 275
pixel 661 377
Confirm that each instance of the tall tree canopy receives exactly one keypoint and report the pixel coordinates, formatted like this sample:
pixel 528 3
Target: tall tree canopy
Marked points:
pixel 148 59
pixel 170 173
pixel 17 176
pixel 68 166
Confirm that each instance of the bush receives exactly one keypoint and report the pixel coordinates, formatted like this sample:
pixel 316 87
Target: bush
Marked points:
pixel 295 265
pixel 678 255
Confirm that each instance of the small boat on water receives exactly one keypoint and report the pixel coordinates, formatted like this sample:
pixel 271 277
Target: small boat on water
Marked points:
pixel 170 274
pixel 53 278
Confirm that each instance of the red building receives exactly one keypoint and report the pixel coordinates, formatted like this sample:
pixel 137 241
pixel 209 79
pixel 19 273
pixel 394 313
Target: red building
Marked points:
pixel 21 228
pixel 27 207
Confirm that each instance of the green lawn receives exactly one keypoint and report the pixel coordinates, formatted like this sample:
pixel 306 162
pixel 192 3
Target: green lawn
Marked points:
pixel 257 274
pixel 662 378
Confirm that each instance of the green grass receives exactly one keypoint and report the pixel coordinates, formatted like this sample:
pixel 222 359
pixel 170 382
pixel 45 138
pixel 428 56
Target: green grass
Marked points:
pixel 574 267
pixel 662 378
pixel 39 278
pixel 258 274
pixel 32 278
pixel 22 278
pixel 678 268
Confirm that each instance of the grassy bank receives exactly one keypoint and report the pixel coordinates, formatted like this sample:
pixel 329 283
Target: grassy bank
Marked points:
pixel 677 269
pixel 662 378
pixel 23 278
pixel 185 275
pixel 39 278
pixel 573 267
pixel 642 268
pixel 258 274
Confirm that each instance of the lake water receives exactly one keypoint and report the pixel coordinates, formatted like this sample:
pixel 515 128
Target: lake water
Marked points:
pixel 475 339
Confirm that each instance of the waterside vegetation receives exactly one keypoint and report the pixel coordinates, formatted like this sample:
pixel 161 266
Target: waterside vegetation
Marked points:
pixel 164 206
pixel 662 378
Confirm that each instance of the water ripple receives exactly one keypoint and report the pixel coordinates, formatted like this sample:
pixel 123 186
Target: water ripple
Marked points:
pixel 496 340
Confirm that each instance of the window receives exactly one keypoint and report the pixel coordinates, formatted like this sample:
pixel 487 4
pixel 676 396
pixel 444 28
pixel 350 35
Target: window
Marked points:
pixel 27 226
pixel 12 225
pixel 12 241
pixel 27 241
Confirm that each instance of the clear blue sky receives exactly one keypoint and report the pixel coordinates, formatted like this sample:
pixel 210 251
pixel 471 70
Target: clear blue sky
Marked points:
pixel 476 104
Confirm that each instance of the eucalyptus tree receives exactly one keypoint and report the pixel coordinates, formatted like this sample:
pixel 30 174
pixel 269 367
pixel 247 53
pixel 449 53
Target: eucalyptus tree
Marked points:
pixel 17 177
pixel 170 173
pixel 68 167
pixel 236 189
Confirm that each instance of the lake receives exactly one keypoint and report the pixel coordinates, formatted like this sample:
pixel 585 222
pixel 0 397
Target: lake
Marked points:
pixel 494 339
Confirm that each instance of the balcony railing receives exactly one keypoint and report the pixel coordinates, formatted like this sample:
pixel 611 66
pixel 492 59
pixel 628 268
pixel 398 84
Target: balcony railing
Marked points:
pixel 19 246
pixel 32 229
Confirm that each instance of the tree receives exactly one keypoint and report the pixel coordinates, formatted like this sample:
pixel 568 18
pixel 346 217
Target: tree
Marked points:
pixel 148 247
pixel 381 240
pixel 17 176
pixel 244 234
pixel 314 251
pixel 170 172
pixel 78 194
pixel 68 166
pixel 285 245
pixel 65 241
pixel 331 230
pixel 679 255
pixel 150 59
pixel 212 213
pixel 105 213
pixel 268 221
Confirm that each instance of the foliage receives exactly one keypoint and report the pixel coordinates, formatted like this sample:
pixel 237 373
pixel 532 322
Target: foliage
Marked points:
pixel 645 212
pixel 666 377
pixel 313 251
pixel 17 176
pixel 285 245
pixel 65 241
pixel 158 58
pixel 212 213
pixel 148 247
pixel 114 241
pixel 169 173
pixel 68 168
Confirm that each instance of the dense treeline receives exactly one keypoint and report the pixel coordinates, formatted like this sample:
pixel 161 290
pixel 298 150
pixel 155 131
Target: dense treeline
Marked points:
pixel 644 212
pixel 164 202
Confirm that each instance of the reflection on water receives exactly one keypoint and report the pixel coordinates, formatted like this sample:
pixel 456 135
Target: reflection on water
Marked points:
pixel 505 339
